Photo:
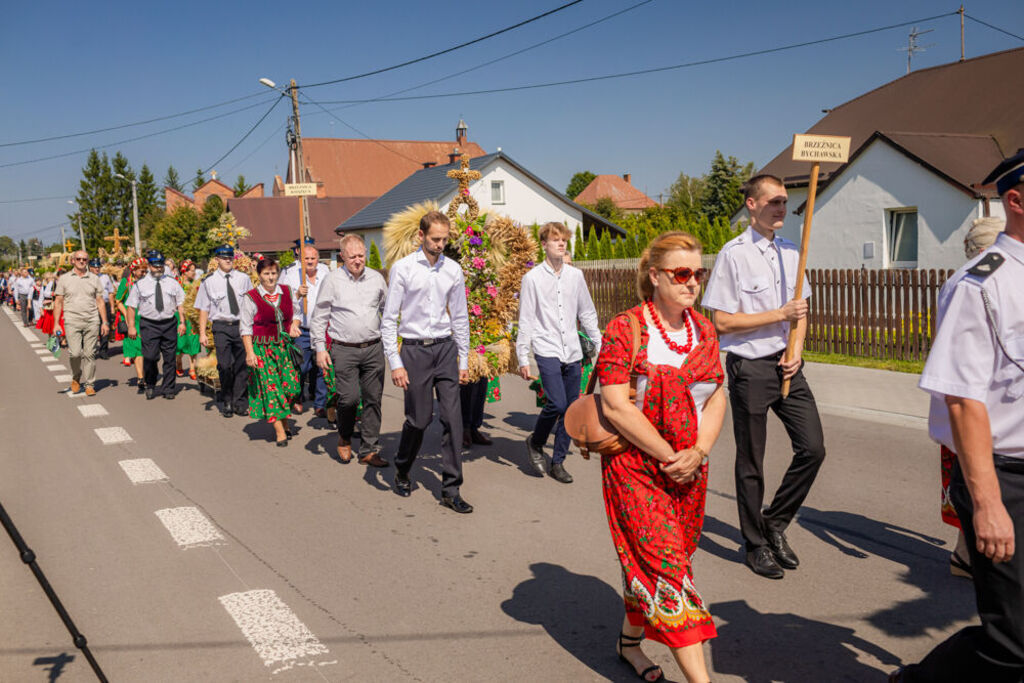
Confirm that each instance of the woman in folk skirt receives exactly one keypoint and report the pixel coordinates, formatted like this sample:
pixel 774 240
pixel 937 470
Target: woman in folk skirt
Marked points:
pixel 188 343
pixel 267 319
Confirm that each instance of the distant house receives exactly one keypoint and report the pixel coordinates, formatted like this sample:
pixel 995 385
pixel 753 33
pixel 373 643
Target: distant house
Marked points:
pixel 211 188
pixel 369 168
pixel 620 190
pixel 274 221
pixel 920 147
pixel 505 187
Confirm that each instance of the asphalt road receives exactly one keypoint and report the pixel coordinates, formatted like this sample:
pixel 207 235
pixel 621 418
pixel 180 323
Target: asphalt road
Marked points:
pixel 240 561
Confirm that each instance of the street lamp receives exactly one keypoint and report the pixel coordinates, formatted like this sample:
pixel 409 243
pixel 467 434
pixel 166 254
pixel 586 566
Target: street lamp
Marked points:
pixel 81 237
pixel 135 209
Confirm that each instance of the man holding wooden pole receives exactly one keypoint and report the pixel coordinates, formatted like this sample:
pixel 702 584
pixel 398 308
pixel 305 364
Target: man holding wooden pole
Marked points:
pixel 752 291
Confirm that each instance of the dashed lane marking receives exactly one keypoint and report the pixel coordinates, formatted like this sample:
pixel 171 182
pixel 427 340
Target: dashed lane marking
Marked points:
pixel 92 410
pixel 62 378
pixel 189 528
pixel 112 435
pixel 142 470
pixel 42 352
pixel 277 635
pixel 56 368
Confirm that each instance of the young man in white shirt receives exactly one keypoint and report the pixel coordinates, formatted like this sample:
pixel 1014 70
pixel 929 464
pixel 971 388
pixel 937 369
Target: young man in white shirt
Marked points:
pixel 426 306
pixel 553 297
pixel 751 292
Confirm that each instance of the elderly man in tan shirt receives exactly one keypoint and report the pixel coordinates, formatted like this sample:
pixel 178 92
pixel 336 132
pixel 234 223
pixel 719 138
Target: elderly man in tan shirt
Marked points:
pixel 79 296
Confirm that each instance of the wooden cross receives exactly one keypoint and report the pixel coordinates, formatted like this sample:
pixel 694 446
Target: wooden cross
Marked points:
pixel 117 239
pixel 464 176
pixel 68 244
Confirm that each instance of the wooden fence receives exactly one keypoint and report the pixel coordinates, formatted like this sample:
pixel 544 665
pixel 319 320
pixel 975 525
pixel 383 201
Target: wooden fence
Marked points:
pixel 883 314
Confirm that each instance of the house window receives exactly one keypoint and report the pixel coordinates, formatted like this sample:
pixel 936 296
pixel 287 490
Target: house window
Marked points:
pixel 901 238
pixel 497 192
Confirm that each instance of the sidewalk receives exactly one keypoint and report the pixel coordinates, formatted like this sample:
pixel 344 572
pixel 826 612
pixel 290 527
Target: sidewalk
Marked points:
pixel 864 393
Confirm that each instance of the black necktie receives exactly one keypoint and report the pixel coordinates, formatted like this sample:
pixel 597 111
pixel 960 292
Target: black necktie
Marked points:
pixel 232 300
pixel 159 297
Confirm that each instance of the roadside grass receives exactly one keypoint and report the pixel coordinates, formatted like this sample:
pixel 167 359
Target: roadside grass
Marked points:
pixel 911 366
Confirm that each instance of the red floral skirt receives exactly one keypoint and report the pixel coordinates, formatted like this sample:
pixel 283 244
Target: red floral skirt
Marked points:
pixel 45 322
pixel 948 511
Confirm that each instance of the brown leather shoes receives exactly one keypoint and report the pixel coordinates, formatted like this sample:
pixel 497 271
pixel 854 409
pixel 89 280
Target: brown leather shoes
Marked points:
pixel 75 387
pixel 89 391
pixel 332 414
pixel 345 453
pixel 373 460
pixel 479 438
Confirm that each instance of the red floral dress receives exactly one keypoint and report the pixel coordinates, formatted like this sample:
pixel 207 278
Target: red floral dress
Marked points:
pixel 655 523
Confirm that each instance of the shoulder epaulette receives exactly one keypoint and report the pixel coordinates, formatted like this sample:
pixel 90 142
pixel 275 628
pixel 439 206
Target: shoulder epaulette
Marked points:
pixel 988 264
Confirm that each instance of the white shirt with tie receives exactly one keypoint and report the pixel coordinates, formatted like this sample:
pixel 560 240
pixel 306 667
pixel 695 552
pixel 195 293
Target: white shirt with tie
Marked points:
pixel 143 297
pixel 431 302
pixel 292 277
pixel 212 296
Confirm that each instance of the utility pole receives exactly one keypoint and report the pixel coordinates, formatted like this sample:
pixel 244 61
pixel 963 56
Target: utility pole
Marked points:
pixel 962 45
pixel 63 240
pixel 135 218
pixel 299 174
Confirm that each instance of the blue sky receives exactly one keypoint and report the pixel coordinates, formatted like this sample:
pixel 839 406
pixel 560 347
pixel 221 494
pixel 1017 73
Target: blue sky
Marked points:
pixel 72 67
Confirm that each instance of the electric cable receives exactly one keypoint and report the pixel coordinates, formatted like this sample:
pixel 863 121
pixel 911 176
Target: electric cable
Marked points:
pixel 32 199
pixel 247 134
pixel 994 28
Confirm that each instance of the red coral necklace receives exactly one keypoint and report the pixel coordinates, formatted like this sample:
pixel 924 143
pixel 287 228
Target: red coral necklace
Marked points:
pixel 687 320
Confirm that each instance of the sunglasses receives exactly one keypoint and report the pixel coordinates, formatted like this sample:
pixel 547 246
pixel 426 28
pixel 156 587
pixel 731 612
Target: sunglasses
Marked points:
pixel 682 275
pixel 80 259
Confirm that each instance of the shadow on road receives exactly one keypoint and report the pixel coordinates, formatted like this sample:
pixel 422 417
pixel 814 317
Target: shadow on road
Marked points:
pixel 761 648
pixel 946 599
pixel 54 666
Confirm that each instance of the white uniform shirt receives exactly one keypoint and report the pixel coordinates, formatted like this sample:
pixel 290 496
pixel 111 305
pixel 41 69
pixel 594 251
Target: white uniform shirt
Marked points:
pixel 143 297
pixel 658 353
pixel 549 305
pixel 248 313
pixel 752 275
pixel 348 309
pixel 965 359
pixel 23 286
pixel 212 296
pixel 107 284
pixel 292 278
pixel 431 301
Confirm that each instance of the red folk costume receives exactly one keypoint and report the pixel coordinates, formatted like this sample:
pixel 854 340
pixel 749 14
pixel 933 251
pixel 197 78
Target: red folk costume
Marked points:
pixel 655 523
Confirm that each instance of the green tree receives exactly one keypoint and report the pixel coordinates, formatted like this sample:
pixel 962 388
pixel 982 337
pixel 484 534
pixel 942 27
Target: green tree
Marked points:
pixel 373 260
pixel 686 194
pixel 723 191
pixel 199 180
pixel 122 196
pixel 182 234
pixel 579 253
pixel 593 251
pixel 98 201
pixel 151 207
pixel 240 187
pixel 605 249
pixel 285 259
pixel 172 180
pixel 606 207
pixel 7 246
pixel 578 183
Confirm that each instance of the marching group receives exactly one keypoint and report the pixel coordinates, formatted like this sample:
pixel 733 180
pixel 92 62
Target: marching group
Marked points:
pixel 661 385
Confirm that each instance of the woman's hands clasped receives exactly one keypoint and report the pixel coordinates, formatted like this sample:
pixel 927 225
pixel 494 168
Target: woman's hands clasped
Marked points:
pixel 683 466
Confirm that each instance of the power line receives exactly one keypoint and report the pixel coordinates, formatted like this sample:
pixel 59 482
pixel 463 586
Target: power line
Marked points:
pixel 40 230
pixel 134 139
pixel 310 100
pixel 129 125
pixel 446 51
pixel 994 28
pixel 33 199
pixel 263 144
pixel 247 134
pixel 640 72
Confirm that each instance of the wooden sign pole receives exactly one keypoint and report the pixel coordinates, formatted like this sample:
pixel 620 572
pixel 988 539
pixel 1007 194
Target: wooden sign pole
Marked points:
pixel 302 247
pixel 805 242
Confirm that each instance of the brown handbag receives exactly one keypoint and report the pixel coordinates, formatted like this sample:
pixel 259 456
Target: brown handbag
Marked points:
pixel 585 421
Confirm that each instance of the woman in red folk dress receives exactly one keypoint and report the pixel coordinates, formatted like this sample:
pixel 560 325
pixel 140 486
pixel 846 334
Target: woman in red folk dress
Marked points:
pixel 654 492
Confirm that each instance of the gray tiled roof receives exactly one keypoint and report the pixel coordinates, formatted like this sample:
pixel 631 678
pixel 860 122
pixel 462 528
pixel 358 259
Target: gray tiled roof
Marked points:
pixel 434 184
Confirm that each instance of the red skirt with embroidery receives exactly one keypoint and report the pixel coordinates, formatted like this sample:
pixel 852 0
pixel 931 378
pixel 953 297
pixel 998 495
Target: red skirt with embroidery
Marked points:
pixel 948 511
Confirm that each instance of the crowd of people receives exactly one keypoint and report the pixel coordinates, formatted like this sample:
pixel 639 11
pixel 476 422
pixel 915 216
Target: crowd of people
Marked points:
pixel 662 388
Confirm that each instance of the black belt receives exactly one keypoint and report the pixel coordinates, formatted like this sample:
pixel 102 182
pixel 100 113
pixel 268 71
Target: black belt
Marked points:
pixel 155 321
pixel 1008 464
pixel 355 345
pixel 426 342
pixel 224 322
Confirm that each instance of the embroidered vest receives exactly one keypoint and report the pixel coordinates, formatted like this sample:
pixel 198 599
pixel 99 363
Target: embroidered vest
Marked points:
pixel 264 324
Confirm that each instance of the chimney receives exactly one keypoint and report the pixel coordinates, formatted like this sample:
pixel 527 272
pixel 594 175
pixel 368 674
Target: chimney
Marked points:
pixel 454 156
pixel 626 176
pixel 429 164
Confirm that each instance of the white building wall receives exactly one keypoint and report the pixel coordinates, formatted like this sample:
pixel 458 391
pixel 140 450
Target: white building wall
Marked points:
pixel 853 211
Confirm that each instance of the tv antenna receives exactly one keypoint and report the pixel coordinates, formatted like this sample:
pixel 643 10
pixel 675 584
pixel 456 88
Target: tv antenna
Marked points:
pixel 912 47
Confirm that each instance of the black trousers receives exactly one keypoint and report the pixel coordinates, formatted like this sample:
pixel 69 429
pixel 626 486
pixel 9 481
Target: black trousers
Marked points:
pixel 159 339
pixel 432 370
pixel 231 367
pixel 994 651
pixel 473 396
pixel 755 387
pixel 359 374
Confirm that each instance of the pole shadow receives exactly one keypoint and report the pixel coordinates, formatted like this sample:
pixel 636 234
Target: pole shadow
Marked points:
pixel 54 666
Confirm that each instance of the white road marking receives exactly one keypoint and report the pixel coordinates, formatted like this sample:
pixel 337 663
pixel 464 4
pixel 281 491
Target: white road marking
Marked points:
pixel 80 394
pixel 43 352
pixel 56 368
pixel 112 435
pixel 62 378
pixel 188 527
pixel 142 470
pixel 274 631
pixel 92 410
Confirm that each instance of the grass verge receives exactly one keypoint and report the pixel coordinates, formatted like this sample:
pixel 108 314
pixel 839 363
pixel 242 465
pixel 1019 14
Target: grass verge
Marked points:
pixel 911 366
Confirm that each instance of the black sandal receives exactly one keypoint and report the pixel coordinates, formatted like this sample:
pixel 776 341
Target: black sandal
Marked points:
pixel 634 641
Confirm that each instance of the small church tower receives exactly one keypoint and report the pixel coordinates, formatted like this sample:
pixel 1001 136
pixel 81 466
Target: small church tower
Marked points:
pixel 461 131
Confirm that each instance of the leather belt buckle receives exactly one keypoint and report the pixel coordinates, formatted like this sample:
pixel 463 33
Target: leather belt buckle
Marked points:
pixel 427 342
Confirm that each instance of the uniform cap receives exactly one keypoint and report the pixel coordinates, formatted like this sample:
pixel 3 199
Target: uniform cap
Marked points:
pixel 1008 174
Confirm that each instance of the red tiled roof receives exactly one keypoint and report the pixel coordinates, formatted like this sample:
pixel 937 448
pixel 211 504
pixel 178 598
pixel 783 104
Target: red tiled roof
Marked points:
pixel 369 168
pixel 973 97
pixel 274 221
pixel 622 193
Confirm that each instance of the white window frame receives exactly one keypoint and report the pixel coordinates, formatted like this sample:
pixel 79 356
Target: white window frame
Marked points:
pixel 500 186
pixel 890 251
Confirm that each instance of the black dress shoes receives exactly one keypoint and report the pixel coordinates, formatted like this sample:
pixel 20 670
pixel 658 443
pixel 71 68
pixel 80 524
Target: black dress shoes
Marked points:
pixel 762 563
pixel 781 551
pixel 536 456
pixel 456 503
pixel 558 473
pixel 403 486
pixel 169 395
pixel 150 393
pixel 242 411
pixel 228 411
pixel 140 388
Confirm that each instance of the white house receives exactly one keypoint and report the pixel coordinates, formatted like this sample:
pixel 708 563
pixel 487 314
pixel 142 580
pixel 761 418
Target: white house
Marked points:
pixel 505 187
pixel 921 146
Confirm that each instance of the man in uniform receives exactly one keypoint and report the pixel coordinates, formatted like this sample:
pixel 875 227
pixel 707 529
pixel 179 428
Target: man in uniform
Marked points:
pixel 79 298
pixel 156 297
pixel 426 306
pixel 108 297
pixel 218 301
pixel 310 375
pixel 347 317
pixel 975 375
pixel 751 292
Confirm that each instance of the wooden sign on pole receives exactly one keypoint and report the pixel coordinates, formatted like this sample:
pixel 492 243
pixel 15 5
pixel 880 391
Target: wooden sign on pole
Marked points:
pixel 815 149
pixel 301 190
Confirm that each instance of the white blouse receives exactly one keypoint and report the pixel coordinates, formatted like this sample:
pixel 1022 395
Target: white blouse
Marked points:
pixel 658 353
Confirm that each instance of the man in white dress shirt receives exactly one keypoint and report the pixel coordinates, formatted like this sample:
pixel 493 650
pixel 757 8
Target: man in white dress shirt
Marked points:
pixel 751 292
pixel 553 297
pixel 975 375
pixel 426 306
pixel 305 297
pixel 347 319
pixel 157 297
pixel 24 285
